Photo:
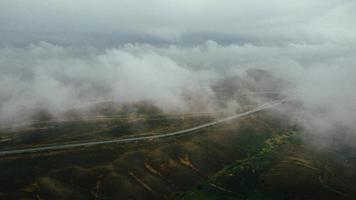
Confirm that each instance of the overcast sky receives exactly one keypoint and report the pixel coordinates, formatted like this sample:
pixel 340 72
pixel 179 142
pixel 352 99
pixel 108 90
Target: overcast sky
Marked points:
pixel 111 22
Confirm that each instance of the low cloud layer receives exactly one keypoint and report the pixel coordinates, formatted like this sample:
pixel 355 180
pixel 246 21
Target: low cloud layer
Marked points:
pixel 56 78
pixel 181 55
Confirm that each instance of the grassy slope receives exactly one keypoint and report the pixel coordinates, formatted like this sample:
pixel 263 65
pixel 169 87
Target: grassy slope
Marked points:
pixel 281 168
pixel 258 157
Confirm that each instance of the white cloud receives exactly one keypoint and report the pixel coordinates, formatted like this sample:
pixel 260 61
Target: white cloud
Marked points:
pixel 130 50
pixel 59 78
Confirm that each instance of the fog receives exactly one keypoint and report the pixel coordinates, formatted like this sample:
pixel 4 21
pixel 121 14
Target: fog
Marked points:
pixel 61 55
pixel 56 78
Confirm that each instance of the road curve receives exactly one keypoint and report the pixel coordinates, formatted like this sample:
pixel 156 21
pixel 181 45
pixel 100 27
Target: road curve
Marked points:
pixel 140 138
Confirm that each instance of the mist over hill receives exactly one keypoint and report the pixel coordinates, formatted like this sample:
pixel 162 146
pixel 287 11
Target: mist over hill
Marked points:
pixel 206 78
pixel 124 99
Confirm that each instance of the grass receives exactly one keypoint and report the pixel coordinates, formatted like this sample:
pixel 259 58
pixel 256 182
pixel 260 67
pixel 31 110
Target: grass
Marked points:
pixel 257 157
pixel 240 180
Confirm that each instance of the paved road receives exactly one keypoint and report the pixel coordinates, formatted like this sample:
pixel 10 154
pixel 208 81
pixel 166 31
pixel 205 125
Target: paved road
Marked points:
pixel 140 138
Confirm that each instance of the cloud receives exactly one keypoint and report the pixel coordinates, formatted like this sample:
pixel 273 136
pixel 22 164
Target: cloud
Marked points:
pixel 97 22
pixel 57 78
pixel 178 53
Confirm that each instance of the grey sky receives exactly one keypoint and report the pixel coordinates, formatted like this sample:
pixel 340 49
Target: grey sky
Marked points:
pixel 185 21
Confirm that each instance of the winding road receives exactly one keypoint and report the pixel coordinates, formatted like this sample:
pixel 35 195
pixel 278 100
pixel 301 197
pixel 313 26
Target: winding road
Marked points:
pixel 140 138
